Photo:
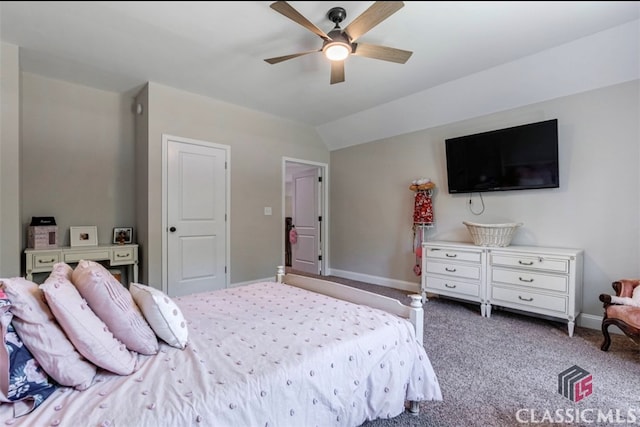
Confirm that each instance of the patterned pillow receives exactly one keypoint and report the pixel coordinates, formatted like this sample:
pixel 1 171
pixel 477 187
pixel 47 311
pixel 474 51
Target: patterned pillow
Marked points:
pixel 162 313
pixel 23 382
pixel 113 304
pixel 90 336
pixel 44 337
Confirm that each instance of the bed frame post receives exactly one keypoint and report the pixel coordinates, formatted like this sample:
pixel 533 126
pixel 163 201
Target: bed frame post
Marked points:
pixel 280 274
pixel 417 316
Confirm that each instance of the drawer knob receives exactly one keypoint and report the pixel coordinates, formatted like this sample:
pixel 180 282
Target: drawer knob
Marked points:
pixel 525 280
pixel 450 286
pixel 525 299
pixel 525 263
pixel 122 255
pixel 41 261
pixel 451 255
pixel 450 270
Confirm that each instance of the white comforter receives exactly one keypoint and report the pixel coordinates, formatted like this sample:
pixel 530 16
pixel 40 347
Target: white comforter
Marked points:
pixel 265 354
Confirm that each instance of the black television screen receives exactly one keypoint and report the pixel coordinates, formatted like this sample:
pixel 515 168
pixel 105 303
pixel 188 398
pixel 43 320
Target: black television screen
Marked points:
pixel 516 158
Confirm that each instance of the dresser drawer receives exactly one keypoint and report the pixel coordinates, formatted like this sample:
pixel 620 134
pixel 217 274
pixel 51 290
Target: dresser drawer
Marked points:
pixel 122 255
pixel 45 259
pixel 88 255
pixel 529 299
pixel 453 254
pixel 557 283
pixel 438 284
pixel 454 270
pixel 531 261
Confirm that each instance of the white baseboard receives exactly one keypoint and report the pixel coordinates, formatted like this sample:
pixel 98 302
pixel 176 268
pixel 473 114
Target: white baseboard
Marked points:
pixel 376 280
pixel 595 322
pixel 590 321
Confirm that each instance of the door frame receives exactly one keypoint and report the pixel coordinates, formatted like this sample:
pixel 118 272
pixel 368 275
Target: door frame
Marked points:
pixel 324 206
pixel 165 212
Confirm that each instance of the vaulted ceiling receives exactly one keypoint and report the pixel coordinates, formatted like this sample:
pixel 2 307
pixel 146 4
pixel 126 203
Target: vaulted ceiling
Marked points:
pixel 217 49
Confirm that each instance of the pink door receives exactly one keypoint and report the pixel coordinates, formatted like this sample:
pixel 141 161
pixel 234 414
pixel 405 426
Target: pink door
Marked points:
pixel 306 219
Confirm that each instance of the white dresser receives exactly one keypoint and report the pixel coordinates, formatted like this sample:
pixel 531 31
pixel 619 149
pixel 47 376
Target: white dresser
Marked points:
pixel 42 260
pixel 540 280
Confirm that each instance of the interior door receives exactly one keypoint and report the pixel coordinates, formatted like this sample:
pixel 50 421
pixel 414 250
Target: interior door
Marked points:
pixel 306 219
pixel 196 218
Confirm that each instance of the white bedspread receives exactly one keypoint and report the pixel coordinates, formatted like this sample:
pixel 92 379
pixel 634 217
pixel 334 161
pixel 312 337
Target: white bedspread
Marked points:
pixel 265 354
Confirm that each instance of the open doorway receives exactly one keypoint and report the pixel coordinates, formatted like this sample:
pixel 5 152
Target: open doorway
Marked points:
pixel 305 212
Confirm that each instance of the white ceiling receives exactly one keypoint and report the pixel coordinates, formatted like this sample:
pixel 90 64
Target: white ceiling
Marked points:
pixel 217 48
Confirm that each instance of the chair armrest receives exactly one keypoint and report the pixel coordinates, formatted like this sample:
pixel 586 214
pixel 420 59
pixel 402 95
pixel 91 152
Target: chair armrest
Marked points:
pixel 624 287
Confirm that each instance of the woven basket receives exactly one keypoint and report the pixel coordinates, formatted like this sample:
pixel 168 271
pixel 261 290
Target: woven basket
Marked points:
pixel 492 234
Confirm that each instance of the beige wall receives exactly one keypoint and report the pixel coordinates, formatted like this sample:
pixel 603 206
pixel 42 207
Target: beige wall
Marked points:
pixel 77 156
pixel 10 235
pixel 595 208
pixel 257 142
pixel 79 149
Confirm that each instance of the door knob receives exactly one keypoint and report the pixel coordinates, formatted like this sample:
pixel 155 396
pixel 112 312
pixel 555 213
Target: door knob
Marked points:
pixel 172 229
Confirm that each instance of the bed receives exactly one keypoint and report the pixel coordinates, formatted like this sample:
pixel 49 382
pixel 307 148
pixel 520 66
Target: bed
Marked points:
pixel 296 351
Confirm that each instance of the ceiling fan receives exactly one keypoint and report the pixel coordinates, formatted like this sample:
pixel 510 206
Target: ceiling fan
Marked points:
pixel 339 43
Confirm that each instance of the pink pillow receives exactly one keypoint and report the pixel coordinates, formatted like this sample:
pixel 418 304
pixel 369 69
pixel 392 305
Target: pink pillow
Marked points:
pixel 113 304
pixel 90 336
pixel 44 338
pixel 61 269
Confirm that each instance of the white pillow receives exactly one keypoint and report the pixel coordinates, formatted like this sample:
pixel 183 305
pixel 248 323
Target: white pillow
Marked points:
pixel 162 313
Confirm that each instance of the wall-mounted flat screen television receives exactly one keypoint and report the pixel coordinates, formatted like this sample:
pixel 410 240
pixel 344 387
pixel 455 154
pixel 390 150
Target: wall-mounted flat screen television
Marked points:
pixel 516 158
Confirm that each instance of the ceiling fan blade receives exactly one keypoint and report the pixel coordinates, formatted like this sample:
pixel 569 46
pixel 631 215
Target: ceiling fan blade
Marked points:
pixel 337 72
pixel 371 17
pixel 382 52
pixel 286 57
pixel 287 10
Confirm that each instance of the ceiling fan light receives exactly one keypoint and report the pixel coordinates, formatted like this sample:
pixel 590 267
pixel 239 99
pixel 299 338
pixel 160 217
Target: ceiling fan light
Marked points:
pixel 337 51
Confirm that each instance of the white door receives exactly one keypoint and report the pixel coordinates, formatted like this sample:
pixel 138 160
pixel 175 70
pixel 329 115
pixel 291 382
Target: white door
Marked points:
pixel 196 218
pixel 306 219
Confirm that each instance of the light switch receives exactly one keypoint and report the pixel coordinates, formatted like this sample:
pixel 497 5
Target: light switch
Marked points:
pixel 267 210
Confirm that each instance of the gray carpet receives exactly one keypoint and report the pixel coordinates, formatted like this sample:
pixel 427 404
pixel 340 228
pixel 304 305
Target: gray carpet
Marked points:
pixel 491 369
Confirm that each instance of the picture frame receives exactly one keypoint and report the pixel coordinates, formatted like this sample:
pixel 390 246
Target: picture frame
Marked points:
pixel 122 235
pixel 84 236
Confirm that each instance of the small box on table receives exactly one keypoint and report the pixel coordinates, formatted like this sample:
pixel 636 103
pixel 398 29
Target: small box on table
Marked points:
pixel 42 233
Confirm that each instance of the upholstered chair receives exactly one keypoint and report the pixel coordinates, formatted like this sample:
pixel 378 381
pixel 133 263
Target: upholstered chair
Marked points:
pixel 625 317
